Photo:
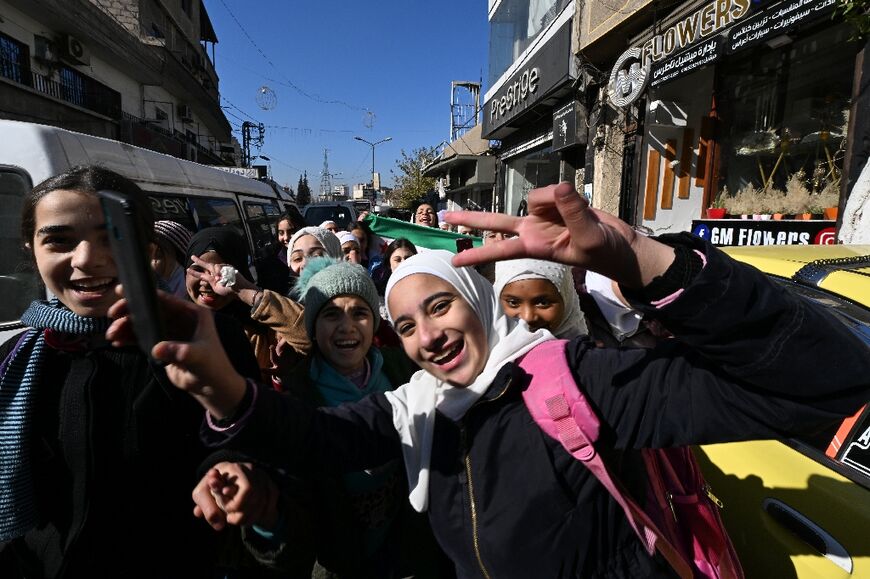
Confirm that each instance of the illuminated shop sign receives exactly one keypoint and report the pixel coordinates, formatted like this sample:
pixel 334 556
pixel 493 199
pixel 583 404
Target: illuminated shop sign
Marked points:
pixel 695 27
pixel 777 21
pixel 722 232
pixel 632 69
pixel 687 61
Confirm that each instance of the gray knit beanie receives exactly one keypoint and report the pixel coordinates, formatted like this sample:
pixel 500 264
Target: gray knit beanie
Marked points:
pixel 325 278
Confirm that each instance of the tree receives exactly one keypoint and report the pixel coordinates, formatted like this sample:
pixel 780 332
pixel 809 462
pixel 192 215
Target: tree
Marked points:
pixel 303 192
pixel 410 183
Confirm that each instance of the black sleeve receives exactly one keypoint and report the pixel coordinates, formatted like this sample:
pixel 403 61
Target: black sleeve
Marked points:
pixel 288 432
pixel 237 346
pixel 750 360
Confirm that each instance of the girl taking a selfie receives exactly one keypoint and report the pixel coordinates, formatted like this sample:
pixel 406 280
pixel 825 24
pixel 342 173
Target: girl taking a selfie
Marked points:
pixel 86 425
pixel 503 498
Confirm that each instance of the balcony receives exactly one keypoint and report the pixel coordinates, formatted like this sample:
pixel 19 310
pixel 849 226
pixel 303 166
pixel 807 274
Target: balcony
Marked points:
pixel 73 87
pixel 151 135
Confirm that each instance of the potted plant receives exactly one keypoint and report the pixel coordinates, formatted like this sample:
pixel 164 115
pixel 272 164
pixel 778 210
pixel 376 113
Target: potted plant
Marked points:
pixel 797 197
pixel 742 202
pixel 829 200
pixel 717 209
pixel 770 204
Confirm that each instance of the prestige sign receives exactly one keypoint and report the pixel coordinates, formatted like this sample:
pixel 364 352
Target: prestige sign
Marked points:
pixel 544 71
pixel 519 91
pixel 722 232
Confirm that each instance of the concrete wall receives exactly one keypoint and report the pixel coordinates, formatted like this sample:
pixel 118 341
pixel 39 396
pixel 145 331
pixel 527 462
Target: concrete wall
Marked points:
pixel 124 12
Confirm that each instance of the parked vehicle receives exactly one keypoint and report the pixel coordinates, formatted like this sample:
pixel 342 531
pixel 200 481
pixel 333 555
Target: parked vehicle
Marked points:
pixel 801 508
pixel 189 193
pixel 342 212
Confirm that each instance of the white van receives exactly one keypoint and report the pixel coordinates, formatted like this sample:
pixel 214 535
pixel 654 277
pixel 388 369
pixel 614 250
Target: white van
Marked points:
pixel 192 194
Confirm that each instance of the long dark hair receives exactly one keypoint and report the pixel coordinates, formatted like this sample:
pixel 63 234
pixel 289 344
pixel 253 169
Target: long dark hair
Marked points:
pixel 398 244
pixel 86 179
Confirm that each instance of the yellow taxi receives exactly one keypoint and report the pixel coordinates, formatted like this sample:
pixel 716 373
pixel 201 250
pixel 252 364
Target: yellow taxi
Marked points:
pixel 801 508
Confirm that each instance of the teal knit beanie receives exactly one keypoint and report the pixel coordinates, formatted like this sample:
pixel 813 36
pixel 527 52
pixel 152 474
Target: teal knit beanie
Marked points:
pixel 325 278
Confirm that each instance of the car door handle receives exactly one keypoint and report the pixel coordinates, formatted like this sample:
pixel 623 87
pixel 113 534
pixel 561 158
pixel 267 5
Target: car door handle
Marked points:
pixel 808 532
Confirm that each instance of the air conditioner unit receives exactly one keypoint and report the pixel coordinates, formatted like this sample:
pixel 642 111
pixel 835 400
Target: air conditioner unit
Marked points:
pixel 75 50
pixel 185 113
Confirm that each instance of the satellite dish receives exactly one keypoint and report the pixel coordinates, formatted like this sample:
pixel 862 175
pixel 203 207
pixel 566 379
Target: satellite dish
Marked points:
pixel 266 98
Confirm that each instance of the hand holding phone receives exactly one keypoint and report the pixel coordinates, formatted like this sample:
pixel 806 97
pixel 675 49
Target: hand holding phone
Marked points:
pixel 129 241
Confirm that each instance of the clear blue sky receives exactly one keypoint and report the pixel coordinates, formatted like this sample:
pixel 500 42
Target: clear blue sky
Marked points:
pixel 395 58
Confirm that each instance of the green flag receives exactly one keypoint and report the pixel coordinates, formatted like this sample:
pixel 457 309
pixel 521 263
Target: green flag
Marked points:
pixel 428 237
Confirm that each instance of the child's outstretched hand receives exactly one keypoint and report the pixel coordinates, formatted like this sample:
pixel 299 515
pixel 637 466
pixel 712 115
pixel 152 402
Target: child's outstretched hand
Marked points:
pixel 561 226
pixel 236 494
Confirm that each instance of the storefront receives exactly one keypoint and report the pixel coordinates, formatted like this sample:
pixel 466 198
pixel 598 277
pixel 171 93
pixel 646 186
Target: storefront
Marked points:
pixel 533 114
pixel 744 106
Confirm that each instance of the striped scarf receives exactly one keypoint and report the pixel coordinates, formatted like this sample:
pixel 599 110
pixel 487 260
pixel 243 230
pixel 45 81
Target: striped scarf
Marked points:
pixel 18 512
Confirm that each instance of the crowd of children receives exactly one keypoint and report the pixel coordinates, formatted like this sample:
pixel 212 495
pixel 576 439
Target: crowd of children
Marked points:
pixel 370 421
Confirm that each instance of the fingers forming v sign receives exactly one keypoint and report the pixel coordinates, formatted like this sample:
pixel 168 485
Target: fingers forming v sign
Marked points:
pixel 561 226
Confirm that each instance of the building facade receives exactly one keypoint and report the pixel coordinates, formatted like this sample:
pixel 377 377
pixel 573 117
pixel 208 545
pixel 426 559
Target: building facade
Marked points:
pixel 709 100
pixel 533 107
pixel 133 70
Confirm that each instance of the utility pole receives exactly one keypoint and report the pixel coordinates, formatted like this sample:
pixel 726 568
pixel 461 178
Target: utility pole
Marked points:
pixel 247 140
pixel 325 180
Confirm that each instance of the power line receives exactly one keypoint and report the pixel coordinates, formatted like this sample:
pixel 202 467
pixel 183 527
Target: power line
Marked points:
pixel 288 83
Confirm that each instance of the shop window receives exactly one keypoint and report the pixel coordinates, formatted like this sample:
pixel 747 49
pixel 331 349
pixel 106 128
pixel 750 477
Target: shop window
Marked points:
pixel 785 117
pixel 536 169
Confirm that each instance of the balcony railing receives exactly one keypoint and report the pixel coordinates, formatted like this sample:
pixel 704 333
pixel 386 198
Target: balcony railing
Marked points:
pixel 175 143
pixel 74 87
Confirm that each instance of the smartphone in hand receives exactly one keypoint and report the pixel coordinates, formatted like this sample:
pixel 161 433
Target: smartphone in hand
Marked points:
pixel 129 239
pixel 464 243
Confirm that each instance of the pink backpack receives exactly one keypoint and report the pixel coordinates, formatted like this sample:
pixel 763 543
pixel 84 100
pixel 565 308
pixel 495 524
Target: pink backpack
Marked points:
pixel 680 518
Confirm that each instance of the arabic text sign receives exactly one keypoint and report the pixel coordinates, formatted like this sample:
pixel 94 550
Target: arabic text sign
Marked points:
pixel 776 21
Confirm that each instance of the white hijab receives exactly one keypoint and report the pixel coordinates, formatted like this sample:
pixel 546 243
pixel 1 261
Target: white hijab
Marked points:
pixel 573 322
pixel 326 238
pixel 624 320
pixel 415 403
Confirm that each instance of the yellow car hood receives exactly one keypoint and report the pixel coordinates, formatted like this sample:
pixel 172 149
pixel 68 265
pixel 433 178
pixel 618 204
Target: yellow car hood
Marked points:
pixel 841 269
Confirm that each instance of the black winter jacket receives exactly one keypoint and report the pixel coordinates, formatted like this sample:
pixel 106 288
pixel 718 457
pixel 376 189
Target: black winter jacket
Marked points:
pixel 116 451
pixel 507 501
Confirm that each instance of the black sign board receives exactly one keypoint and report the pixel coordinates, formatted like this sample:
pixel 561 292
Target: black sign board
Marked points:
pixel 722 232
pixel 548 68
pixel 569 126
pixel 776 21
pixel 687 61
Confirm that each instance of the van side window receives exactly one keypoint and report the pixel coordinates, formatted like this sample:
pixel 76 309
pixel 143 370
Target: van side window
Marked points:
pixel 263 223
pixel 172 208
pixel 212 211
pixel 18 280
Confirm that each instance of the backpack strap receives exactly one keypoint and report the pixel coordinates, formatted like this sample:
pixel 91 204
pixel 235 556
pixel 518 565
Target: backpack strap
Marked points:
pixel 559 408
